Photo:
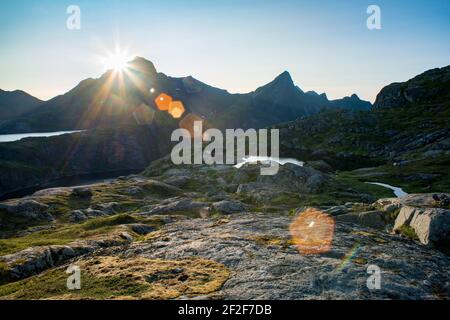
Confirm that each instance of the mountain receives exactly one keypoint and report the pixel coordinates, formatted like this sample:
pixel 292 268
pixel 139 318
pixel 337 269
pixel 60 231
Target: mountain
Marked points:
pixel 115 99
pixel 352 103
pixel 16 103
pixel 430 86
pixel 109 100
pixel 404 140
pixel 33 162
pixel 278 101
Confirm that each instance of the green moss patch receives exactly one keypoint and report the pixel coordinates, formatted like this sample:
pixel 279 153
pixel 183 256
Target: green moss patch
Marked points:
pixel 111 277
pixel 71 232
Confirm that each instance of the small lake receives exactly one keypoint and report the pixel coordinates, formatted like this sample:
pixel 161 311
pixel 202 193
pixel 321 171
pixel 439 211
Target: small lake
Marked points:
pixel 266 160
pixel 397 191
pixel 20 136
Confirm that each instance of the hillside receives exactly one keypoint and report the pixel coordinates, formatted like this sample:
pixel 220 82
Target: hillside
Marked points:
pixel 405 142
pixel 16 103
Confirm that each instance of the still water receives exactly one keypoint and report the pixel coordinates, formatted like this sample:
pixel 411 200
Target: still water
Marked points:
pixel 20 136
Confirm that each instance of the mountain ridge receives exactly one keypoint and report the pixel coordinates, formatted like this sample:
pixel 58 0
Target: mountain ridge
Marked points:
pixel 15 103
pixel 76 108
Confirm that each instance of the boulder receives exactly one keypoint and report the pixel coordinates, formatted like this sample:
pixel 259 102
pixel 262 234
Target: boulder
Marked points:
pixel 82 192
pixel 229 207
pixel 337 210
pixel 105 208
pixel 161 188
pixel 177 181
pixel 371 219
pixel 92 213
pixel 431 225
pixel 29 209
pixel 141 229
pixel 298 179
pixel 34 260
pixel 320 165
pixel 415 200
pixel 175 205
pixel 134 191
pixel 77 216
pixel 441 200
pixel 84 214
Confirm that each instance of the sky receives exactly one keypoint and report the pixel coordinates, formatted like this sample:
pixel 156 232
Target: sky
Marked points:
pixel 237 45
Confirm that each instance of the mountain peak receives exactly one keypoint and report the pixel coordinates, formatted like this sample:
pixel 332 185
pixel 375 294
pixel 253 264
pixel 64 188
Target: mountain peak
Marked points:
pixel 142 65
pixel 284 77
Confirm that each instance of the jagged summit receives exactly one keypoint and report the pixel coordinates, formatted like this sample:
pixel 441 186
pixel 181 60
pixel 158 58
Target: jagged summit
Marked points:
pixel 284 77
pixel 115 99
pixel 142 65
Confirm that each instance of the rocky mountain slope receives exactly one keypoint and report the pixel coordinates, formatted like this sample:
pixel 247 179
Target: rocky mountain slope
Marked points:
pixel 36 161
pixel 402 142
pixel 209 232
pixel 17 103
pixel 430 86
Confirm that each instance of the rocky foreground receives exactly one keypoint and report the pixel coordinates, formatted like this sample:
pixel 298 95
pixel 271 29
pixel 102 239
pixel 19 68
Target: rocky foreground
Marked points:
pixel 216 232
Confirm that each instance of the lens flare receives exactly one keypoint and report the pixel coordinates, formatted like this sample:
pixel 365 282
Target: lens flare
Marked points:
pixel 176 109
pixel 188 123
pixel 163 102
pixel 312 232
pixel 349 256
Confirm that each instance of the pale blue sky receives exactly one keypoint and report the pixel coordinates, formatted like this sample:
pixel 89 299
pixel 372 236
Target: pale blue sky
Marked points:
pixel 234 45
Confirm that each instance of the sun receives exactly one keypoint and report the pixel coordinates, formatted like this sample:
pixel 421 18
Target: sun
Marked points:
pixel 117 61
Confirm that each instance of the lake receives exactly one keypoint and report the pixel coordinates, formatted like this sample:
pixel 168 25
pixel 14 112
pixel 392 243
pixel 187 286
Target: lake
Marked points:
pixel 399 192
pixel 266 160
pixel 20 136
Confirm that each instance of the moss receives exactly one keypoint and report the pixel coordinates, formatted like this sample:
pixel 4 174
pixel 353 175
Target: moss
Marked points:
pixel 109 221
pixel 219 222
pixel 4 273
pixel 267 240
pixel 361 261
pixel 293 212
pixel 353 179
pixel 392 216
pixel 111 277
pixel 70 232
pixel 408 232
pixel 290 199
pixel 364 233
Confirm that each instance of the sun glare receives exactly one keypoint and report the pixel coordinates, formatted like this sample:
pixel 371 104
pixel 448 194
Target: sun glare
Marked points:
pixel 117 61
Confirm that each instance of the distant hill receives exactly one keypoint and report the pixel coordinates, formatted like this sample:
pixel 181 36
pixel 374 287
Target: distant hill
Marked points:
pixel 113 100
pixel 16 103
pixel 430 86
pixel 352 103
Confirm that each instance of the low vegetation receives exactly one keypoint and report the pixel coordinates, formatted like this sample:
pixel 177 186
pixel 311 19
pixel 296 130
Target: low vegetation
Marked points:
pixel 112 277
